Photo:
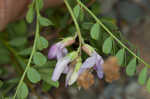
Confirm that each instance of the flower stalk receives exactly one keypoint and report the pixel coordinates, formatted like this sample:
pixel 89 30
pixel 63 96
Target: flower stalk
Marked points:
pixel 76 24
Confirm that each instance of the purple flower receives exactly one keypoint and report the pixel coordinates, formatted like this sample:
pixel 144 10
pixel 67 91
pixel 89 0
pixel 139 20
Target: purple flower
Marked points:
pixel 58 51
pixel 60 67
pixel 95 61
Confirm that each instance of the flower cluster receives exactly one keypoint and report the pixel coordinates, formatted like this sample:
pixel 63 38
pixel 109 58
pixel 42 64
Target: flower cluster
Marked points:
pixel 71 64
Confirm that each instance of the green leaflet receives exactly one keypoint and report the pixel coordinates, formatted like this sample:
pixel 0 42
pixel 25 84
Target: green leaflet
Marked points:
pixel 131 67
pixel 42 43
pixel 95 31
pixel 30 14
pixel 76 11
pixel 22 91
pixel 39 59
pixel 33 75
pixel 107 46
pixel 142 76
pixel 19 41
pixel 26 51
pixel 44 21
pixel 120 56
pixel 148 85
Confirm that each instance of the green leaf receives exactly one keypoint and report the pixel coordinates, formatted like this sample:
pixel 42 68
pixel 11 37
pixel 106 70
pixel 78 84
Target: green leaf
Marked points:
pixel 47 78
pixel 25 52
pixel 81 15
pixel 107 46
pixel 19 41
pixel 142 76
pixel 131 67
pixel 22 92
pixel 20 28
pixel 1 83
pixel 46 86
pixel 30 14
pixel 148 85
pixel 120 56
pixel 4 56
pixel 76 11
pixel 39 59
pixel 86 25
pixel 95 31
pixel 44 21
pixel 109 24
pixel 42 43
pixel 33 75
pixel 40 4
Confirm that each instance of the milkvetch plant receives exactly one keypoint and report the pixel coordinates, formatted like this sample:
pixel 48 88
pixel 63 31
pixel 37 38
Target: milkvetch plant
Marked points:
pixel 78 54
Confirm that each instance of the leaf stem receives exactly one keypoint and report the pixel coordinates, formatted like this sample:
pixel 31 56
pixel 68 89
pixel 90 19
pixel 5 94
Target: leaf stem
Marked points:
pixel 111 34
pixel 75 22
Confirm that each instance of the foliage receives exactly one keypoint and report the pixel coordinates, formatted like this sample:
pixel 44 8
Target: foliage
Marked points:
pixel 28 57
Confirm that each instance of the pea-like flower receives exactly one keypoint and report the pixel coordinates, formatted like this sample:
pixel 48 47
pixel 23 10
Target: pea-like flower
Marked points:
pixel 58 50
pixel 95 61
pixel 62 64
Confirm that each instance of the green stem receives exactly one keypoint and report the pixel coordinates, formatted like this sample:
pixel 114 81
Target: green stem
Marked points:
pixel 111 34
pixel 75 22
pixel 30 59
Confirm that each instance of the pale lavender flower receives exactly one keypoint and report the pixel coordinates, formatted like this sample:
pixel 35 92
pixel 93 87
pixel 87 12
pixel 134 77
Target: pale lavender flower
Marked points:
pixel 69 74
pixel 57 50
pixel 62 65
pixel 95 61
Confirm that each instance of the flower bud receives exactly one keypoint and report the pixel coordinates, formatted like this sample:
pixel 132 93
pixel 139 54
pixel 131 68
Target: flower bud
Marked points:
pixel 68 41
pixel 72 55
pixel 75 73
pixel 88 49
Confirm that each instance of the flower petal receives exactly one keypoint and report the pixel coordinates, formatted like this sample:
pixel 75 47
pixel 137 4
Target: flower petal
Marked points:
pixel 99 71
pixel 98 66
pixel 73 78
pixel 60 66
pixel 61 52
pixel 89 62
pixel 52 51
pixel 68 76
pixel 66 70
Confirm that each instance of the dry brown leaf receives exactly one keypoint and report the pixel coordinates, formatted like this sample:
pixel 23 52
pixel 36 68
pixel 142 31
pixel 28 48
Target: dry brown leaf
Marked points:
pixel 111 69
pixel 86 79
